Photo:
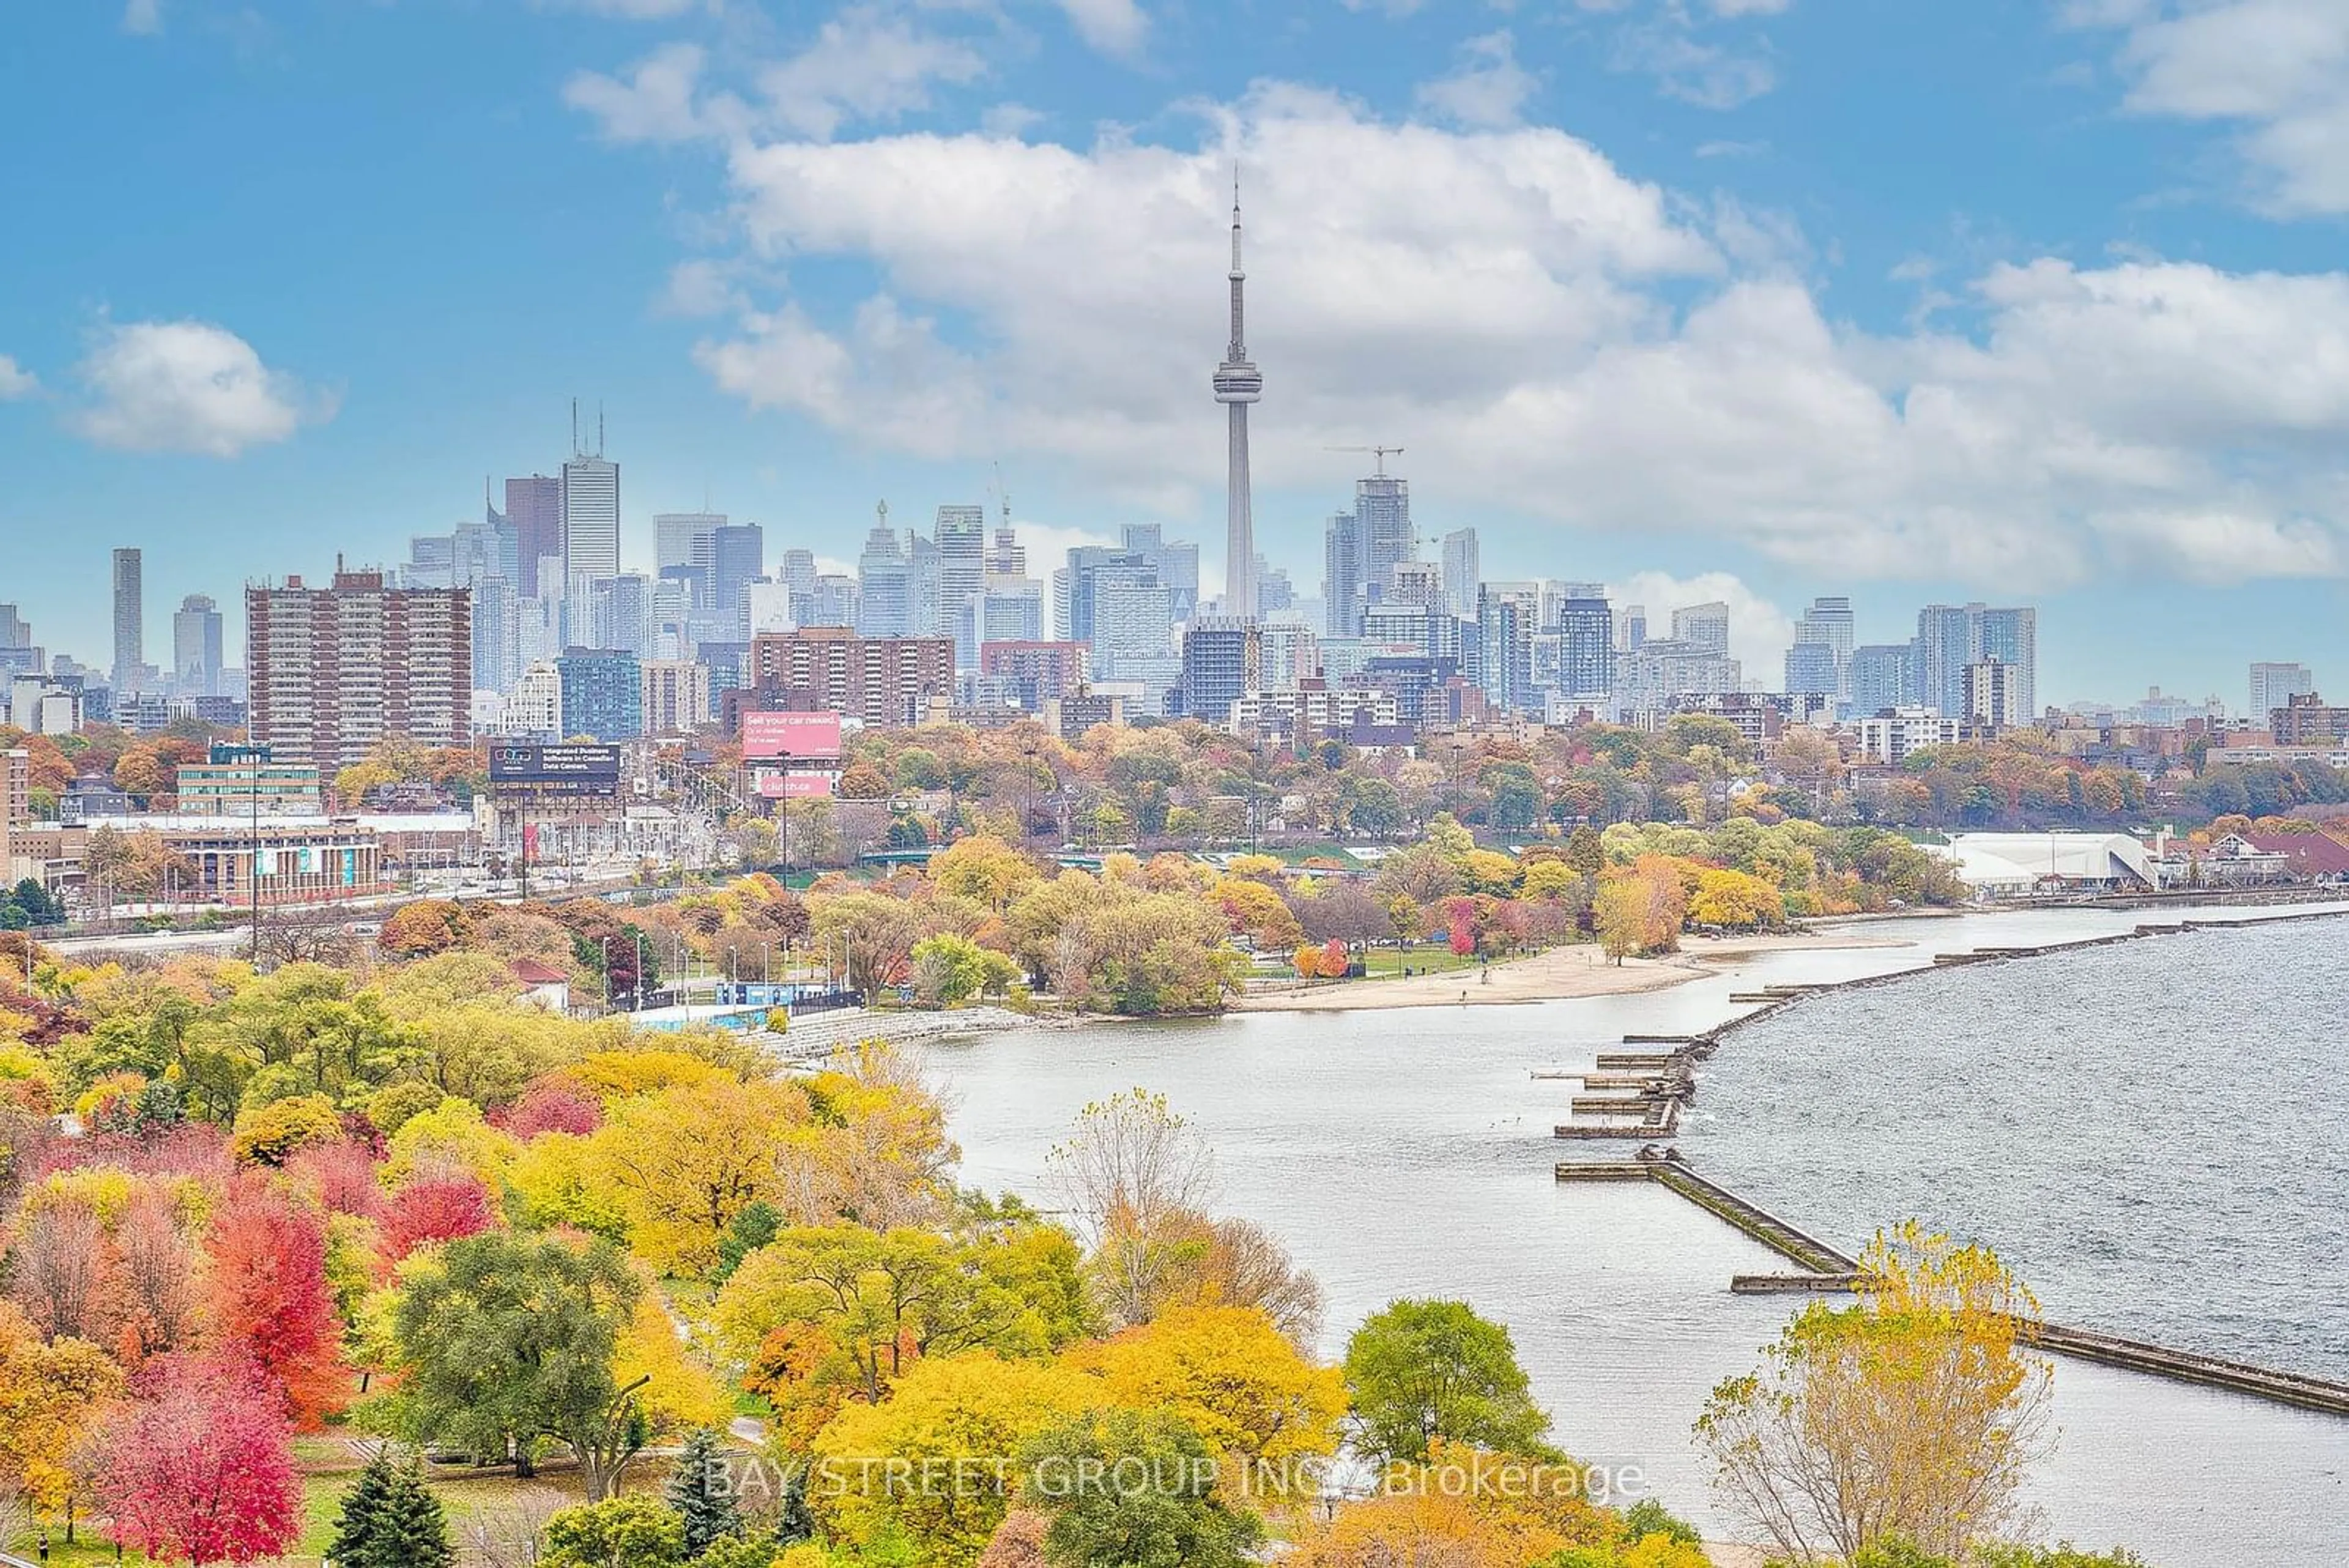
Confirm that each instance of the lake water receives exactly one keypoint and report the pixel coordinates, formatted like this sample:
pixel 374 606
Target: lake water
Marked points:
pixel 1408 1151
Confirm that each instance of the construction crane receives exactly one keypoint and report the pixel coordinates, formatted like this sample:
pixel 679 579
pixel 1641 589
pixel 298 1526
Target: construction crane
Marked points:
pixel 1380 453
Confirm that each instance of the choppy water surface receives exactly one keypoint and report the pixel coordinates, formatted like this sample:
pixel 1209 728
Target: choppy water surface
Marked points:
pixel 2156 1133
pixel 1408 1151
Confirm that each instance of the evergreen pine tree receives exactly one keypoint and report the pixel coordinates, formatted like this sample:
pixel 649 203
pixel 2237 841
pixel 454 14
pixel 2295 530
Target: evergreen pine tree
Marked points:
pixel 390 1520
pixel 411 1531
pixel 699 1492
pixel 355 1526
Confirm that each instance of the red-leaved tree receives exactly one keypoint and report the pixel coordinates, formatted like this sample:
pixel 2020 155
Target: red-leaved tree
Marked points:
pixel 342 1174
pixel 437 1208
pixel 201 1467
pixel 550 1107
pixel 270 1300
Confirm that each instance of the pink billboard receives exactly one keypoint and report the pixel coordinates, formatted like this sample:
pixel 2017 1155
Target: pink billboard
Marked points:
pixel 790 735
pixel 795 787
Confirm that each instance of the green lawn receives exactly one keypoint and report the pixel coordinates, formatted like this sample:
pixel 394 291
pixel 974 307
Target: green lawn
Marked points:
pixel 1424 958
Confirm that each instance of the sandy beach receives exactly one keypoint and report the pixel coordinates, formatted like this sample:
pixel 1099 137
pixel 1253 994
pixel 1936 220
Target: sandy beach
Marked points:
pixel 1582 969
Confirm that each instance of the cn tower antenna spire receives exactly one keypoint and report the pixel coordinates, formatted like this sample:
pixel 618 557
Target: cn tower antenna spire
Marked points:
pixel 1237 384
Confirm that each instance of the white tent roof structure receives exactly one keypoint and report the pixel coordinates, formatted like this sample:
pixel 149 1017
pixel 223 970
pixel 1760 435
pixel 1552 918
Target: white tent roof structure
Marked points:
pixel 1997 860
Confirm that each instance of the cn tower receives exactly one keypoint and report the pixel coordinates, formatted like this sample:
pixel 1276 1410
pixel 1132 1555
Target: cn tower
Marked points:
pixel 1239 384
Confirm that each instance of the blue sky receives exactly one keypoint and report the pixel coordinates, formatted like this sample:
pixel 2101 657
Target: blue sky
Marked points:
pixel 1758 298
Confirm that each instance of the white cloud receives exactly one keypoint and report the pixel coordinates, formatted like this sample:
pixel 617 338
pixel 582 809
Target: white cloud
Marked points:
pixel 869 63
pixel 654 103
pixel 1552 340
pixel 1112 26
pixel 2279 69
pixel 188 386
pixel 15 382
pixel 864 65
pixel 143 18
pixel 1710 76
pixel 1702 52
pixel 633 10
pixel 1487 88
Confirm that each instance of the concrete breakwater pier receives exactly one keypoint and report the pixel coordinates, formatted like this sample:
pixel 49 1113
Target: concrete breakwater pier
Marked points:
pixel 1823 1269
pixel 1648 1086
pixel 1639 1092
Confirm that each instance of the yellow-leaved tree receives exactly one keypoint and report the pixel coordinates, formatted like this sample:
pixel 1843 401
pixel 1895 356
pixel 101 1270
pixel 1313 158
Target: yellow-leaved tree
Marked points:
pixel 685 1160
pixel 956 1414
pixel 1916 1413
pixel 1230 1373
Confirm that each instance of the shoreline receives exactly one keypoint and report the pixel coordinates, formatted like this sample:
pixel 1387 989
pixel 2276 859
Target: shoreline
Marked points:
pixel 1561 974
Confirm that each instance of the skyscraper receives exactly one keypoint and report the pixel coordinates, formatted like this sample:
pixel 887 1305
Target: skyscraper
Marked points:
pixel 591 515
pixel 1706 625
pixel 196 647
pixel 1820 660
pixel 1950 637
pixel 1342 576
pixel 129 619
pixel 534 508
pixel 883 582
pixel 1587 622
pixel 2273 685
pixel 1462 571
pixel 1383 511
pixel 1882 675
pixel 738 554
pixel 334 671
pixel 682 538
pixel 1239 384
pixel 961 534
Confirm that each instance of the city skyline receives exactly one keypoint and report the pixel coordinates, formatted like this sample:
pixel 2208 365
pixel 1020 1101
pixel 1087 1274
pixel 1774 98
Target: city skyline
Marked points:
pixel 826 310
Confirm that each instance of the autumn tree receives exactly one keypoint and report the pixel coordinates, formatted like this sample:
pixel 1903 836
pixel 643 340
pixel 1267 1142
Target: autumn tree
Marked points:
pixel 1133 1487
pixel 49 1395
pixel 435 1207
pixel 426 926
pixel 947 1409
pixel 1916 1413
pixel 687 1160
pixel 269 1296
pixel 1247 1393
pixel 1135 1176
pixel 53 1268
pixel 615 1532
pixel 201 1470
pixel 985 869
pixel 508 1341
pixel 879 1302
pixel 1423 1372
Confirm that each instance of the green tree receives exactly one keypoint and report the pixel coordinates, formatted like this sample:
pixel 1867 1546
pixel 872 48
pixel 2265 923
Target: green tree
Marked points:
pixel 745 1234
pixel 510 1340
pixel 1421 1371
pixel 1135 1489
pixel 390 1519
pixel 701 1493
pixel 949 967
pixel 615 1532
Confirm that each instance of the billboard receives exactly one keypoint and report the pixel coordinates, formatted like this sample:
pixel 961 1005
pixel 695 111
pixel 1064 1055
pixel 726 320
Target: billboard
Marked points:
pixel 796 785
pixel 810 735
pixel 581 770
